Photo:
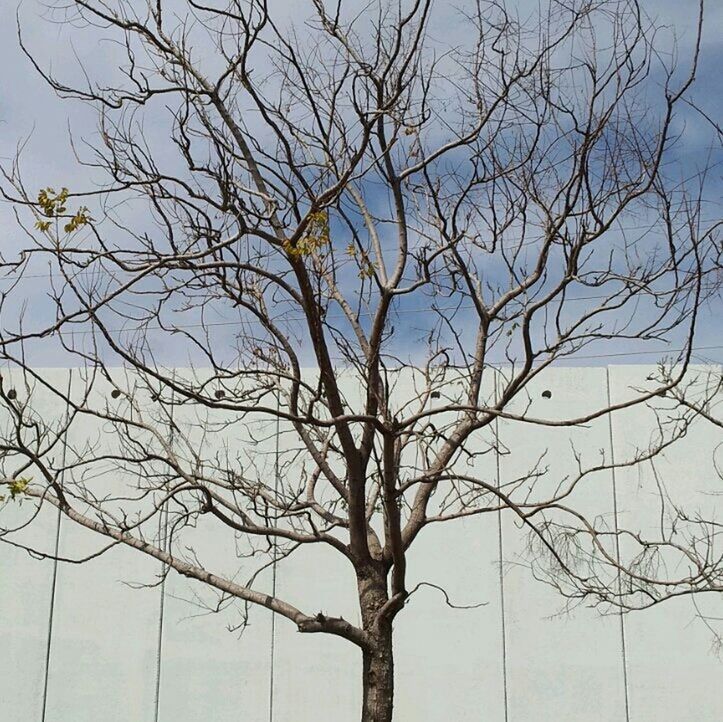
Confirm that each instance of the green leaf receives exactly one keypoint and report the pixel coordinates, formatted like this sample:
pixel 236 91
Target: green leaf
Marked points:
pixel 18 486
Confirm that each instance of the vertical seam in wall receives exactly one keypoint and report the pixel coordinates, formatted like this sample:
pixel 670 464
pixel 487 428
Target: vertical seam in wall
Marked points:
pixel 163 538
pixel 500 563
pixel 273 570
pixel 54 581
pixel 623 643
pixel 162 526
pixel 51 613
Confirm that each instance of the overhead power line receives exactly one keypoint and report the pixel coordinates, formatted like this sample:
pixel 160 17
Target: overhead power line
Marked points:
pixel 82 274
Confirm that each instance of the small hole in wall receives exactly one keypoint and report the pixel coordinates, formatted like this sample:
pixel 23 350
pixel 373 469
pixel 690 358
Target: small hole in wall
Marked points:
pixel 435 394
pixel 219 393
pixel 115 393
pixel 12 394
pixel 547 394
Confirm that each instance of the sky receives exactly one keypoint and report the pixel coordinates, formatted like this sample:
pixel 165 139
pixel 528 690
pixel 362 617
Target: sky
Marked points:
pixel 31 115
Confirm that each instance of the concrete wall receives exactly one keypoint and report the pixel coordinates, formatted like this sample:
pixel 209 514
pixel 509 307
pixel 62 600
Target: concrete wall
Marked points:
pixel 77 643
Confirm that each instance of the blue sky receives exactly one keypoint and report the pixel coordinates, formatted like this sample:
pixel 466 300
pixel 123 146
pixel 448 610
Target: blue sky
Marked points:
pixel 30 113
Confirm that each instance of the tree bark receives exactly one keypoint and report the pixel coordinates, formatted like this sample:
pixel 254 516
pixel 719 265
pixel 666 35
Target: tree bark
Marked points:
pixel 378 671
pixel 377 653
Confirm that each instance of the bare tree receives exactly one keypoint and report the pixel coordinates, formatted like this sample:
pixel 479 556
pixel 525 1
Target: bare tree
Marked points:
pixel 285 207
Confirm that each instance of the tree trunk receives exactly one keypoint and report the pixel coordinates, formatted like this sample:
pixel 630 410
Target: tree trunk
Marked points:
pixel 378 671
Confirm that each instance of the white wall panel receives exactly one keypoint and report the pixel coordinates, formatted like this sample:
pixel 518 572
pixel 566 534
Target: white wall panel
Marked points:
pixel 104 645
pixel 26 584
pixel 314 672
pixel 559 662
pixel 673 672
pixel 450 661
pixel 212 666
pixel 210 670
